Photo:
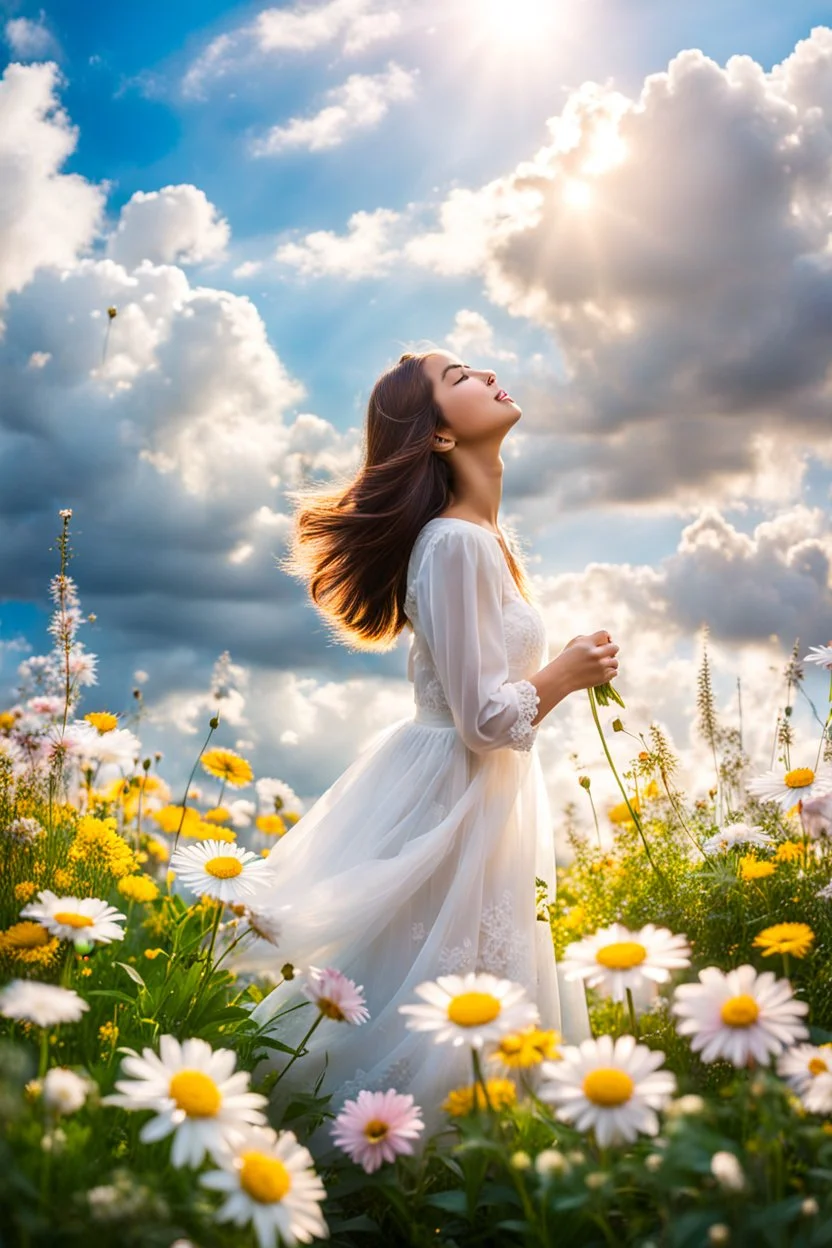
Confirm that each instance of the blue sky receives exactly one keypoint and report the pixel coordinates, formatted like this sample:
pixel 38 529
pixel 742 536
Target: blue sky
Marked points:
pixel 668 337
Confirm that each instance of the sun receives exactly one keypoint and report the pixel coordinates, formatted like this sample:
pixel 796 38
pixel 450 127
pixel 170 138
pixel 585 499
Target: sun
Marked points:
pixel 517 19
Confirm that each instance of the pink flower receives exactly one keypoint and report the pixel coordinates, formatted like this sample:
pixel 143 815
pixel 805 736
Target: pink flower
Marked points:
pixel 376 1127
pixel 335 996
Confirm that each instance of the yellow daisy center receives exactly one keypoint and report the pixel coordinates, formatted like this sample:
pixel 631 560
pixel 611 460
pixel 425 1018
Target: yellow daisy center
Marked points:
pixel 472 1009
pixel 799 778
pixel 69 919
pixel 225 867
pixel 608 1087
pixel 741 1011
pixel 330 1008
pixel 264 1178
pixel 817 1066
pixel 376 1130
pixel 622 955
pixel 195 1093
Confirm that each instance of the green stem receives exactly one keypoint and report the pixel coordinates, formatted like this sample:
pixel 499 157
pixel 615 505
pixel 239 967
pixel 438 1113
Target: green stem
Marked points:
pixel 44 1053
pixel 479 1079
pixel 632 1009
pixel 188 785
pixel 635 817
pixel 300 1047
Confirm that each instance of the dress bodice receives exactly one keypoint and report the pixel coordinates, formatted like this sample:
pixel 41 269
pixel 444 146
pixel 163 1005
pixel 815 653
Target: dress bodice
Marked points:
pixel 524 632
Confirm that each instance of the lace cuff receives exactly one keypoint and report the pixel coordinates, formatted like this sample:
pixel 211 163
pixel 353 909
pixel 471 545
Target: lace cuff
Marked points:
pixel 521 734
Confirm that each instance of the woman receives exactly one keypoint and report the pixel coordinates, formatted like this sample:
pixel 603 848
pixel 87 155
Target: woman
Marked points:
pixel 421 858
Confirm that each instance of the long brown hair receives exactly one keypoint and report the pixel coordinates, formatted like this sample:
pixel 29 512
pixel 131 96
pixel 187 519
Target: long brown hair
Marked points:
pixel 351 542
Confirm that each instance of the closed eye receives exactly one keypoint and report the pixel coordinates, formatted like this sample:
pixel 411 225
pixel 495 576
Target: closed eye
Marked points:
pixel 462 377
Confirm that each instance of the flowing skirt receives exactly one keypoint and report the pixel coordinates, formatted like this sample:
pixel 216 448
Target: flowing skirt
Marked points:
pixel 419 861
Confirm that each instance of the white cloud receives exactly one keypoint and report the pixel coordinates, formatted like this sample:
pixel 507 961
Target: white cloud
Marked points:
pixel 360 103
pixel 472 332
pixel 364 251
pixel 298 28
pixel 301 28
pixel 46 217
pixel 30 40
pixel 177 224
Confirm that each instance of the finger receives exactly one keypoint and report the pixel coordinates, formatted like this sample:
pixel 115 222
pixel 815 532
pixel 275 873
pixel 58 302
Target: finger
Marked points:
pixel 601 638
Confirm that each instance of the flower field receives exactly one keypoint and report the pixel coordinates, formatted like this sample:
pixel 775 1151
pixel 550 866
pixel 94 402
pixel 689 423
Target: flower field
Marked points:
pixel 135 1086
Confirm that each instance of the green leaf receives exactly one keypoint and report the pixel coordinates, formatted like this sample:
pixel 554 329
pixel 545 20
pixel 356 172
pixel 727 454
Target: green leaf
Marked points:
pixel 133 973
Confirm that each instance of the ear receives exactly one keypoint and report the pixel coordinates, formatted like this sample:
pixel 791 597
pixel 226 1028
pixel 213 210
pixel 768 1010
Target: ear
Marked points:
pixel 442 443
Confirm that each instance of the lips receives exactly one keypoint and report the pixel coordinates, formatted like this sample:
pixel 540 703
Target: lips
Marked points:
pixel 500 395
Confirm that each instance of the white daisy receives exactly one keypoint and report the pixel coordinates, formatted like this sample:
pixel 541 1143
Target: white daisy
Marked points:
pixel 269 1179
pixel 817 1097
pixel 612 1086
pixel 83 920
pixel 736 834
pixel 195 1093
pixel 119 747
pixel 787 788
pixel 276 796
pixel 220 869
pixel 615 959
pixel 821 655
pixel 801 1065
pixel 335 996
pixel 470 1009
pixel 43 1004
pixel 739 1015
pixel 64 1092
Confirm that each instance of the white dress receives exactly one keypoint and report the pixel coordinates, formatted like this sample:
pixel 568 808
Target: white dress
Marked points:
pixel 420 860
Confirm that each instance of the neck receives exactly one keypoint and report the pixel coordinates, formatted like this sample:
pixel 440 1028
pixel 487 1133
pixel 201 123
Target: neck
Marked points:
pixel 478 484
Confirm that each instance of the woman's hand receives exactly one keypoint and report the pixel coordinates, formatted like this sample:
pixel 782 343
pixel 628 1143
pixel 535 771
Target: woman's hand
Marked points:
pixel 586 662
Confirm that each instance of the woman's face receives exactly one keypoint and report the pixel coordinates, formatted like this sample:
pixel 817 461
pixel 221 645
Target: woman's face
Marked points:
pixel 472 401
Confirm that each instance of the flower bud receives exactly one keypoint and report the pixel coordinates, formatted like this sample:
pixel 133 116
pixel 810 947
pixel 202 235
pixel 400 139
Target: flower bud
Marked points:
pixel 810 1207
pixel 520 1160
pixel 719 1233
pixel 584 782
pixel 617 725
pixel 214 721
pixel 287 971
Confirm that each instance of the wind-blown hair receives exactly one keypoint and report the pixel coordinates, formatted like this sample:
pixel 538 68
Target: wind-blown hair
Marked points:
pixel 351 542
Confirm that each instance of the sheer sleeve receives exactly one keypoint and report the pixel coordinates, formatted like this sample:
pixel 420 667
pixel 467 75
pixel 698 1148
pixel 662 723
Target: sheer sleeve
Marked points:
pixel 459 605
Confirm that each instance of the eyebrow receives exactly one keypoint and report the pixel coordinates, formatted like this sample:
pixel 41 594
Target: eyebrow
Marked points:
pixel 448 367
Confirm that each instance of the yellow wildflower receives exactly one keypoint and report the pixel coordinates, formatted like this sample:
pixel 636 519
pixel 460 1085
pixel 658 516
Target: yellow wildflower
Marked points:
pixel 461 1101
pixel 25 890
pixel 650 790
pixel 108 1035
pixel 290 817
pixel 752 869
pixel 789 851
pixel 527 1048
pixel 621 812
pixel 157 849
pixel 227 765
pixel 152 953
pixel 272 825
pixel 28 944
pixel 794 938
pixel 104 721
pixel 138 888
pixel 63 879
pixel 98 845
pixel 170 817
pixel 7 721
pixel 114 791
pixel 575 918
pixel 217 814
pixel 202 831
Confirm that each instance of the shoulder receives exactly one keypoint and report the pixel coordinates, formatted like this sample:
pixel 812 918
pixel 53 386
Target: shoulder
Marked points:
pixel 455 541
